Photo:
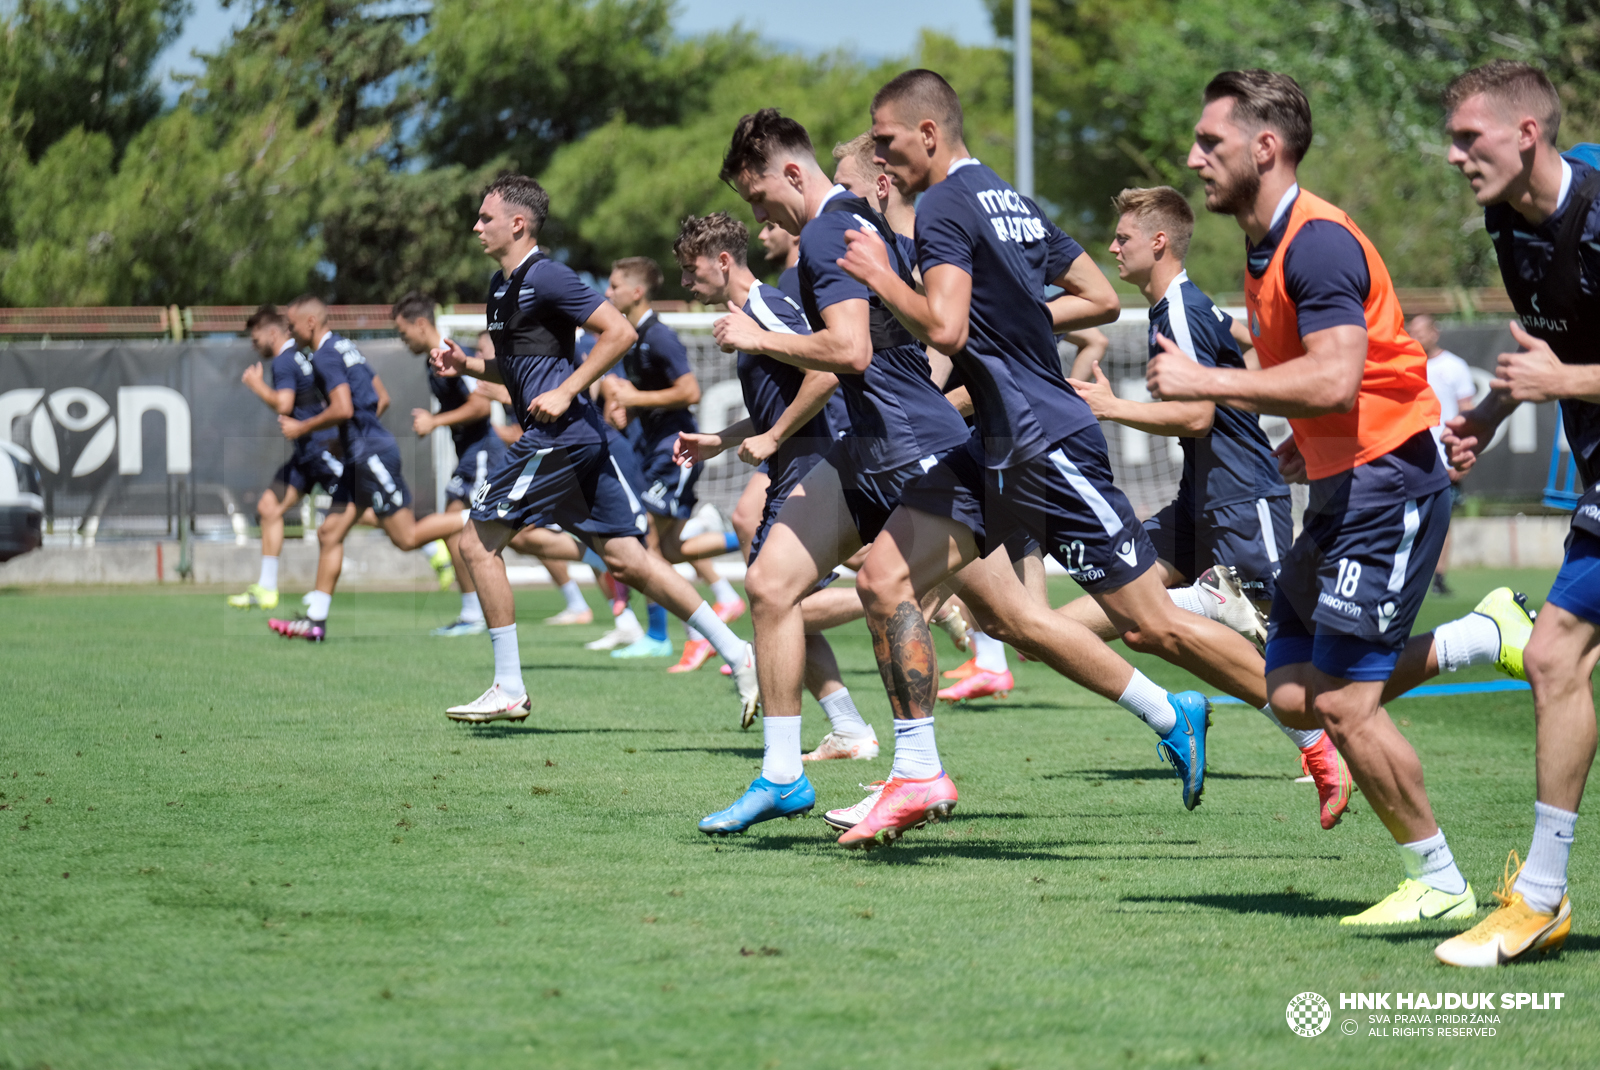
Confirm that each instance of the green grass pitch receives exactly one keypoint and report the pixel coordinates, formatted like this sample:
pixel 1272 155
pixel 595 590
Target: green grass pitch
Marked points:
pixel 222 849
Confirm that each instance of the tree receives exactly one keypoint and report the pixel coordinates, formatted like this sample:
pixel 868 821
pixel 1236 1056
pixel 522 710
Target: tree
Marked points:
pixel 514 80
pixel 85 63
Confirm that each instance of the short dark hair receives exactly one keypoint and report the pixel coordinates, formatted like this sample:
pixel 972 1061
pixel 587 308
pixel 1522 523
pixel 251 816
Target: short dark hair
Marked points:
pixel 760 138
pixel 309 299
pixel 520 191
pixel 929 97
pixel 709 235
pixel 266 316
pixel 641 269
pixel 1159 209
pixel 1267 98
pixel 1521 86
pixel 415 305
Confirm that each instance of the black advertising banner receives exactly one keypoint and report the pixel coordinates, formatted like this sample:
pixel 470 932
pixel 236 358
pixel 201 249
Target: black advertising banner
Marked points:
pixel 129 430
pixel 117 429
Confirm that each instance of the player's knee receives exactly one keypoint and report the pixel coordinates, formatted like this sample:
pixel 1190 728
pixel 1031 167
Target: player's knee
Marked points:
pixel 745 522
pixel 763 587
pixel 1547 668
pixel 882 588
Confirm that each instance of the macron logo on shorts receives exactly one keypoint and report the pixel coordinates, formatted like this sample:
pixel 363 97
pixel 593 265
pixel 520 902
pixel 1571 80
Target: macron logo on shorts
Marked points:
pixel 1339 605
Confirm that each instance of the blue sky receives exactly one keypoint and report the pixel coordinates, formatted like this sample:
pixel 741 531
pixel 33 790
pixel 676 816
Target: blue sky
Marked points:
pixel 873 30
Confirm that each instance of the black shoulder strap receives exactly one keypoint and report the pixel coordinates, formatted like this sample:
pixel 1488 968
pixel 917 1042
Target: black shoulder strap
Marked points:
pixel 1564 283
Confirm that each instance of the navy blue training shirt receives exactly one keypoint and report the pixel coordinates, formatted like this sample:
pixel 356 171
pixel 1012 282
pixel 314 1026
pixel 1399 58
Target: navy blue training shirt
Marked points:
pixel 770 386
pixel 291 370
pixel 337 362
pixel 897 416
pixel 789 283
pixel 656 361
pixel 1233 463
pixel 975 221
pixel 553 298
pixel 1525 263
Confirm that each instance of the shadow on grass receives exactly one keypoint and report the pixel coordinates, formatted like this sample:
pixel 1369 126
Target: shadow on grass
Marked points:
pixel 533 731
pixel 922 851
pixel 735 752
pixel 1001 706
pixel 1163 772
pixel 1285 904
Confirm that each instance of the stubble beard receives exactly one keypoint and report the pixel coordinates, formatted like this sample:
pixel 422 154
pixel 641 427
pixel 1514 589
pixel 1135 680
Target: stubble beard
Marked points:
pixel 1237 195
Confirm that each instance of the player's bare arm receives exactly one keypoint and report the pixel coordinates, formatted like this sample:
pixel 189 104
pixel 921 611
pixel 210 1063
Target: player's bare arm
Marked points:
pixel 697 447
pixel 279 401
pixel 383 394
pixel 475 408
pixel 450 361
pixel 1092 346
pixel 1182 419
pixel 844 345
pixel 937 316
pixel 1089 300
pixel 340 408
pixel 684 391
pixel 1325 380
pixel 815 390
pixel 614 335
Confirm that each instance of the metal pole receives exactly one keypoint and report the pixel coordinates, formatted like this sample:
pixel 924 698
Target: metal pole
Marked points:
pixel 1022 91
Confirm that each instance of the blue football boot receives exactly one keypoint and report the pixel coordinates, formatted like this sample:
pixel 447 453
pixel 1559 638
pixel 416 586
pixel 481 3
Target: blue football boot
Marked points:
pixel 1185 745
pixel 763 802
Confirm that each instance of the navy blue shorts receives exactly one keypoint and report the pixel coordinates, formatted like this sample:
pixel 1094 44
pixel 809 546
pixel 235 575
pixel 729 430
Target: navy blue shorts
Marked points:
pixel 473 468
pixel 1063 500
pixel 871 498
pixel 304 471
pixel 668 488
pixel 579 488
pixel 374 480
pixel 1248 537
pixel 1577 586
pixel 1352 584
pixel 778 489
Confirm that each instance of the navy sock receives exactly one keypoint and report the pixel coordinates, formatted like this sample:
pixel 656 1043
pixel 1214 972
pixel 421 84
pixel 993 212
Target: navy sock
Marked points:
pixel 657 617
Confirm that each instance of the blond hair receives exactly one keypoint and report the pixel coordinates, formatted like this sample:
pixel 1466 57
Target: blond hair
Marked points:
pixel 1159 209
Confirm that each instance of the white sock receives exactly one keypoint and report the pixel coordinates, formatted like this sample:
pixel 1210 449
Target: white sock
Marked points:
pixel 723 592
pixel 470 608
pixel 269 573
pixel 574 596
pixel 1300 737
pixel 915 755
pixel 690 634
pixel 1472 640
pixel 1431 862
pixel 1149 703
pixel 843 715
pixel 1543 880
pixel 429 549
pixel 728 646
pixel 626 619
pixel 317 605
pixel 989 652
pixel 780 762
pixel 1194 600
pixel 507 660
